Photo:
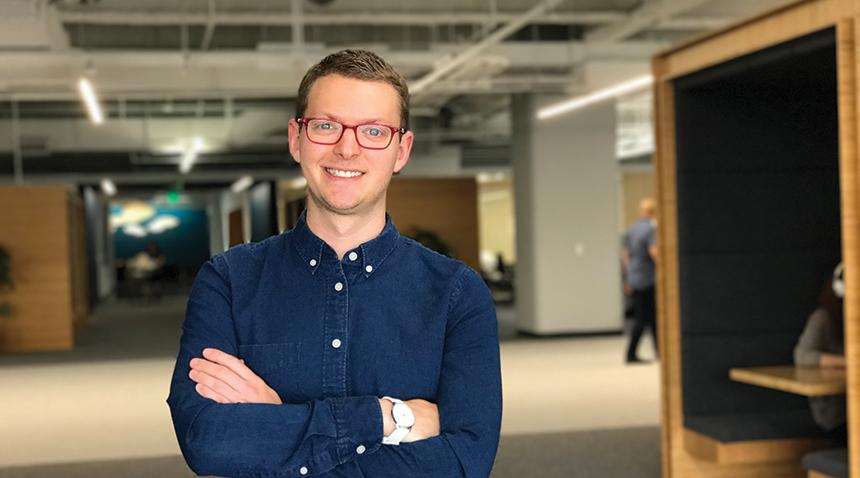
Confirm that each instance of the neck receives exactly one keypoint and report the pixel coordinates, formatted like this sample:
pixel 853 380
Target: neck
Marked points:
pixel 344 232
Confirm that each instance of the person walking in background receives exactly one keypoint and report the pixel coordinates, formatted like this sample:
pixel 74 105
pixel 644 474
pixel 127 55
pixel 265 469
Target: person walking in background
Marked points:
pixel 639 257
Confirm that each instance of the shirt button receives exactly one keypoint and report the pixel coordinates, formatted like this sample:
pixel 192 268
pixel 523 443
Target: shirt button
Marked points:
pixel 303 470
pixel 313 262
pixel 335 343
pixel 353 256
pixel 338 287
pixel 361 449
pixel 369 268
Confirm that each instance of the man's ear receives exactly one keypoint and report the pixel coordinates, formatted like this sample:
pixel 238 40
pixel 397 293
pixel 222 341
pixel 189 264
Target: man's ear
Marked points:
pixel 403 150
pixel 294 135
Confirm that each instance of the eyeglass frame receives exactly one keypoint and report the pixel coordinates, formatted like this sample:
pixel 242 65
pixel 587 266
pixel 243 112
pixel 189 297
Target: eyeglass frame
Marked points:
pixel 304 121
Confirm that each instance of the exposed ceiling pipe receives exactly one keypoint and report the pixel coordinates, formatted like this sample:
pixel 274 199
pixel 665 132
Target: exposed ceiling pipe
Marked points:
pixel 500 34
pixel 297 27
pixel 652 12
pixel 210 26
pixel 107 17
pixel 379 19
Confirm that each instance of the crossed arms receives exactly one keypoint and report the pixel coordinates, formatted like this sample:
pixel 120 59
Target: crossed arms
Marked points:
pixel 224 378
pixel 244 430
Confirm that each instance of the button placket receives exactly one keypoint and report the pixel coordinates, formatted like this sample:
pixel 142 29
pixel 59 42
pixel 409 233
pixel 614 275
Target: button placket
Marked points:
pixel 335 330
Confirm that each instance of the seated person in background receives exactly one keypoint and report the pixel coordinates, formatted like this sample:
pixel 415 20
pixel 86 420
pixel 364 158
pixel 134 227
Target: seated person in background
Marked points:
pixel 821 345
pixel 146 263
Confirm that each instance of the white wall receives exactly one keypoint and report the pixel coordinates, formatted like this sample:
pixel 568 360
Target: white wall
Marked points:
pixel 566 197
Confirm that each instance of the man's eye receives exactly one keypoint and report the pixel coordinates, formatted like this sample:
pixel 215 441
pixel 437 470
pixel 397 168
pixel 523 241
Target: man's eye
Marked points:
pixel 373 131
pixel 324 126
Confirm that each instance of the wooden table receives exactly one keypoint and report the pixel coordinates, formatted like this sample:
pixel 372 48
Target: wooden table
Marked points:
pixel 808 381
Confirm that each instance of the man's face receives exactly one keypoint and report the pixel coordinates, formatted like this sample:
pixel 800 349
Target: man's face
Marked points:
pixel 345 178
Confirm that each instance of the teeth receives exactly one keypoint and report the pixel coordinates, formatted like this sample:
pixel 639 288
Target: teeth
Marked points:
pixel 343 174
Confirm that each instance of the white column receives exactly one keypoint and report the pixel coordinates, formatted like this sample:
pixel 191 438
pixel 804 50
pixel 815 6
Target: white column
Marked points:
pixel 566 200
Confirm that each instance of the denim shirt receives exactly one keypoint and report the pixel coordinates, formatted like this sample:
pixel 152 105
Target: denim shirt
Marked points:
pixel 330 336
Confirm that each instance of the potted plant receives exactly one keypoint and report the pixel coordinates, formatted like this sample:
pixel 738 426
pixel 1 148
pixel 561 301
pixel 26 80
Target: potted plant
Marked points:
pixel 6 283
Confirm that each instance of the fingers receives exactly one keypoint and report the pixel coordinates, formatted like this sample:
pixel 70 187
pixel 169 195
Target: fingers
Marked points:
pixel 229 378
pixel 216 385
pixel 207 392
pixel 218 372
pixel 232 363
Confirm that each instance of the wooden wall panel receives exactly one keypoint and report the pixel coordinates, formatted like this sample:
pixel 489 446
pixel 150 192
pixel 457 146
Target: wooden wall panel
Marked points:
pixel 755 34
pixel 847 39
pixel 448 207
pixel 236 227
pixel 36 228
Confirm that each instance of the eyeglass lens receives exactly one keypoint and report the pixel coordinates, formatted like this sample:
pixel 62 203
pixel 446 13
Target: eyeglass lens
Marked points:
pixel 330 132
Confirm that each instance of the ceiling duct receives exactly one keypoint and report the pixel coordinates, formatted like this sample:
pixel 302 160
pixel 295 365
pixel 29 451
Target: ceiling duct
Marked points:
pixel 30 25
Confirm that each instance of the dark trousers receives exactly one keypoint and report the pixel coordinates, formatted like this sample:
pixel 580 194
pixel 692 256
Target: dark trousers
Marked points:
pixel 644 315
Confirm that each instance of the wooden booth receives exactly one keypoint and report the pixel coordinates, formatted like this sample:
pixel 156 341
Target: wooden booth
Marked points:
pixel 757 181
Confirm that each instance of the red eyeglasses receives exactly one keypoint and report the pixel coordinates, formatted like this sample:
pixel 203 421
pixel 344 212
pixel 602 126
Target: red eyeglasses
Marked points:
pixel 369 136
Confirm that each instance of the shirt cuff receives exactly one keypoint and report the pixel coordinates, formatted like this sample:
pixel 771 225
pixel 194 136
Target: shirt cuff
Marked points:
pixel 359 423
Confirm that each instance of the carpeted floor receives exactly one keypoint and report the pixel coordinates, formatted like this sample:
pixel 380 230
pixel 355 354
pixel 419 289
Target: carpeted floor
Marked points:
pixel 627 452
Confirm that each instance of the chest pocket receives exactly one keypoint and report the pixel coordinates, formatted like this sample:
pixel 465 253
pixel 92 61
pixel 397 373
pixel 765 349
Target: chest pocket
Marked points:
pixel 276 364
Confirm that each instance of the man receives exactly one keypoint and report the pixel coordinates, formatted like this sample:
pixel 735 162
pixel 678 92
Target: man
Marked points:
pixel 340 348
pixel 640 254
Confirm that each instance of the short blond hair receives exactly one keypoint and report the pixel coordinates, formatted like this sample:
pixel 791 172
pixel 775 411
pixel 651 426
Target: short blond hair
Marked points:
pixel 360 65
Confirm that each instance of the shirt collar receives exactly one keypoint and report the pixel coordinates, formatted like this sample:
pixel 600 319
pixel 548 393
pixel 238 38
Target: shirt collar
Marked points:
pixel 373 253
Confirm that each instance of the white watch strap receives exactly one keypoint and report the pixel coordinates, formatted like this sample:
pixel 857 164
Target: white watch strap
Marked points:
pixel 399 432
pixel 396 436
pixel 393 400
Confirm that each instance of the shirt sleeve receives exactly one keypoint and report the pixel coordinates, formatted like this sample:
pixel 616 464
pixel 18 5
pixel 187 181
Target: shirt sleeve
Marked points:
pixel 469 396
pixel 250 439
pixel 813 340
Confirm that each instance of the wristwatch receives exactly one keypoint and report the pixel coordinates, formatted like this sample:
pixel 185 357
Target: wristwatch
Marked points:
pixel 403 421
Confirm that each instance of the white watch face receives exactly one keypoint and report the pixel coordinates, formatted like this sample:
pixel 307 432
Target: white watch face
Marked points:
pixel 403 416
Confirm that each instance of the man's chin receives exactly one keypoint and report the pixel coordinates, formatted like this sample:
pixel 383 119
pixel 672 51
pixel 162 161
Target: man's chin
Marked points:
pixel 343 208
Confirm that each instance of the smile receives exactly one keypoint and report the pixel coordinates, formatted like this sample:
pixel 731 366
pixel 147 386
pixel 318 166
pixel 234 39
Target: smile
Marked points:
pixel 340 173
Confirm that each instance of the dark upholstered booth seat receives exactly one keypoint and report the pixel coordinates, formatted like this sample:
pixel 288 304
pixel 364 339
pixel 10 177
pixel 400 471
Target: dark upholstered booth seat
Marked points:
pixel 828 462
pixel 759 231
pixel 734 427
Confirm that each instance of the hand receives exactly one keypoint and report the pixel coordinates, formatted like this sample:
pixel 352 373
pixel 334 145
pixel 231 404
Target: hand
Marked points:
pixel 426 419
pixel 226 379
pixel 828 360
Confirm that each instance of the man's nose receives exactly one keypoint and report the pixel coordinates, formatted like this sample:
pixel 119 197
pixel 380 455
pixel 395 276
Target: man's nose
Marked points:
pixel 348 146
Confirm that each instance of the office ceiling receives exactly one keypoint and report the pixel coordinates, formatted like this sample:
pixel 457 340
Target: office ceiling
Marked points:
pixel 227 71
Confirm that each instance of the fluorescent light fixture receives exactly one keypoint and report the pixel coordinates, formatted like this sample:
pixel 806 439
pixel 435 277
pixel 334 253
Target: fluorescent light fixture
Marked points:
pixel 582 101
pixel 242 184
pixel 108 187
pixel 88 94
pixel 190 155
